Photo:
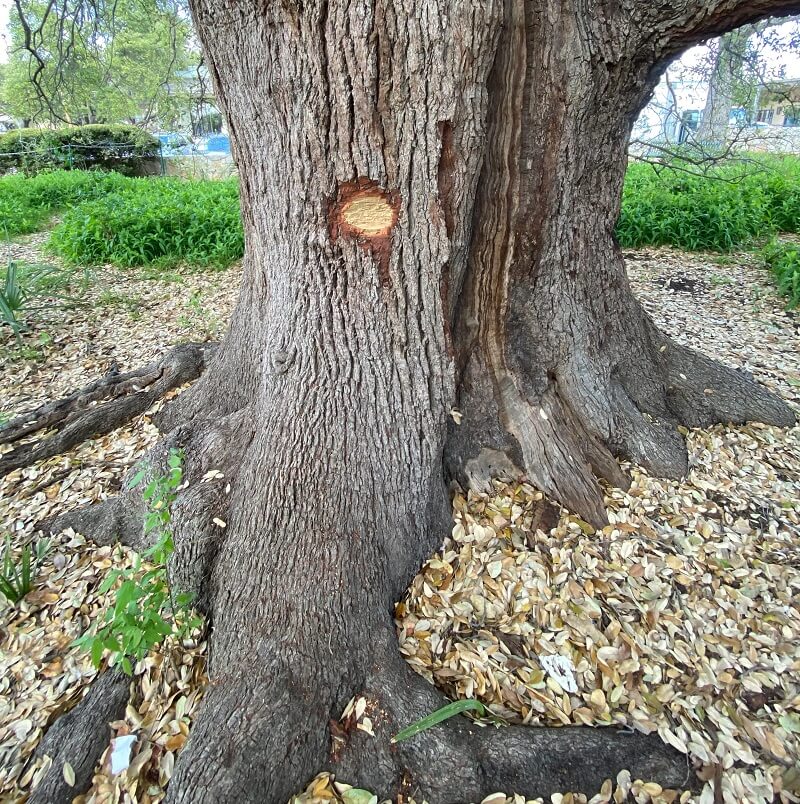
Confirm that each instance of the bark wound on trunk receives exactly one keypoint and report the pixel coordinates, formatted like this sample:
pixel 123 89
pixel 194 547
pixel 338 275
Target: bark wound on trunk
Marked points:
pixel 366 213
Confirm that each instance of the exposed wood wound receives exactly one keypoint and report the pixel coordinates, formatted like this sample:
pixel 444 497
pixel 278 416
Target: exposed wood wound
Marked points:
pixel 367 213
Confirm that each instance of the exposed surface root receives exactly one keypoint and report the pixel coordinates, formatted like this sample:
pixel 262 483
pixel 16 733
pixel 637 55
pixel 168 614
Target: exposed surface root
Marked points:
pixel 199 512
pixel 461 761
pixel 562 429
pixel 79 738
pixel 118 519
pixel 79 417
pixel 264 732
pixel 702 391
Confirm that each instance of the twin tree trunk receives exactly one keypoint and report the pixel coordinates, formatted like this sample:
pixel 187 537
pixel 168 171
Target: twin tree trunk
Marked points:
pixel 429 192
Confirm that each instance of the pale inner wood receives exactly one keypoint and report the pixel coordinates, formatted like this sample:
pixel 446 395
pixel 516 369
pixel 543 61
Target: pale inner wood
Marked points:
pixel 369 214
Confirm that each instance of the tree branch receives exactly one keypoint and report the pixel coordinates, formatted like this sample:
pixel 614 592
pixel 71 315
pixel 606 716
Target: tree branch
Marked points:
pixel 674 27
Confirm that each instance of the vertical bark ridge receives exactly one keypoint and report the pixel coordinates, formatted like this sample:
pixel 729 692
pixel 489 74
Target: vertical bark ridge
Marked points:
pixel 532 249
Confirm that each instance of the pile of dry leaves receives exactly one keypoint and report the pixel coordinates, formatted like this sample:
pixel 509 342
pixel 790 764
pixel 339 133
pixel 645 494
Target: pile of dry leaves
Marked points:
pixel 681 616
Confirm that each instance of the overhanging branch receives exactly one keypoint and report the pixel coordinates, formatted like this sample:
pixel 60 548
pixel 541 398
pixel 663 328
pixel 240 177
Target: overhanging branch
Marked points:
pixel 673 27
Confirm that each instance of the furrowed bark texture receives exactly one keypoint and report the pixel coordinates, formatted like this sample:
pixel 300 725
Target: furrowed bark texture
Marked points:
pixel 429 192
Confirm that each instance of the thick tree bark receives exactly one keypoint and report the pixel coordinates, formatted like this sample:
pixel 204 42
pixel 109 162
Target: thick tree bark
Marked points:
pixel 429 192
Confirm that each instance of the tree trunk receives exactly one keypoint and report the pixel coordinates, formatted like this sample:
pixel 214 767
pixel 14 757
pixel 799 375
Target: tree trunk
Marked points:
pixel 562 367
pixel 429 192
pixel 726 75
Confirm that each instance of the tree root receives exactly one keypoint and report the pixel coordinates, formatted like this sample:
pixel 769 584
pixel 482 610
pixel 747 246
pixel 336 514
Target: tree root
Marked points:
pixel 199 512
pixel 262 735
pixel 259 738
pixel 461 761
pixel 701 392
pixel 112 521
pixel 79 417
pixel 79 738
pixel 562 428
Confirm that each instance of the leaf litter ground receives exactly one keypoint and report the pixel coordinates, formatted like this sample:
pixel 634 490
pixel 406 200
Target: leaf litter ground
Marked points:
pixel 682 616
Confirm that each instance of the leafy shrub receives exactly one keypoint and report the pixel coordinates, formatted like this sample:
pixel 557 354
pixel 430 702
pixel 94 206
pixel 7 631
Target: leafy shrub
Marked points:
pixel 145 609
pixel 148 221
pixel 121 148
pixel 735 204
pixel 27 202
pixel 783 260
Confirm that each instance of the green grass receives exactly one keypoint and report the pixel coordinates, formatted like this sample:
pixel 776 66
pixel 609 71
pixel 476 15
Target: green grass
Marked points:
pixel 159 223
pixel 154 222
pixel 735 205
pixel 783 260
pixel 26 204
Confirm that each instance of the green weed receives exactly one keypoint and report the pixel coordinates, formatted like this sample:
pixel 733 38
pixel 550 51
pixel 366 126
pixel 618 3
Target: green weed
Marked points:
pixel 29 290
pixel 155 222
pixel 440 715
pixel 734 204
pixel 123 301
pixel 27 203
pixel 16 578
pixel 720 280
pixel 145 610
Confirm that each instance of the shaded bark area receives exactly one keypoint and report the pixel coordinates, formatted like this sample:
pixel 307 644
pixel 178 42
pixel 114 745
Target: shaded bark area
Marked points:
pixel 79 738
pixel 85 414
pixel 560 363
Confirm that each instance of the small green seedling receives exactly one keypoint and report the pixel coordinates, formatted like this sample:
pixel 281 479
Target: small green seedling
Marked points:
pixel 440 715
pixel 145 610
pixel 16 579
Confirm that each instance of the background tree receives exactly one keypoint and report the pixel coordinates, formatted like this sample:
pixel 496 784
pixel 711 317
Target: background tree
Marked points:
pixel 738 72
pixel 729 81
pixel 429 192
pixel 79 62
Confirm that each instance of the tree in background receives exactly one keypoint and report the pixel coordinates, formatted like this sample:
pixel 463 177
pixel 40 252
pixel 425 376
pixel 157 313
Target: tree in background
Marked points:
pixel 75 62
pixel 730 82
pixel 429 192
